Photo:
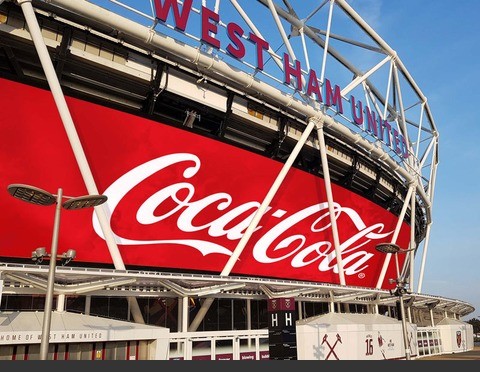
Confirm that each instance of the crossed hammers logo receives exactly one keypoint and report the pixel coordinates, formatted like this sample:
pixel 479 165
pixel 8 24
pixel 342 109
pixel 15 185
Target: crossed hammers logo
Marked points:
pixel 331 347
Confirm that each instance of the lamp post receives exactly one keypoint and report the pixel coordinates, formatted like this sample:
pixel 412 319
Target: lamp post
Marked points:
pixel 400 289
pixel 38 196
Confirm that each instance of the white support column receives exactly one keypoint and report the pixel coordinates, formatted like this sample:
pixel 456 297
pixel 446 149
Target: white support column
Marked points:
pixel 327 41
pixel 268 198
pixel 184 327
pixel 331 303
pixel 395 236
pixel 256 218
pixel 67 121
pixel 424 258
pixel 201 314
pixel 300 310
pixel 249 319
pixel 331 306
pixel 184 314
pixel 88 304
pixel 413 244
pixel 433 177
pixel 179 320
pixel 61 303
pixel 431 318
pixel 179 314
pixel 331 208
pixel 129 308
pixel 249 314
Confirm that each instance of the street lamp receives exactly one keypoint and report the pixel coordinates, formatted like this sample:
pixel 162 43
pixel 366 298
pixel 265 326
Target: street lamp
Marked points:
pixel 393 248
pixel 38 196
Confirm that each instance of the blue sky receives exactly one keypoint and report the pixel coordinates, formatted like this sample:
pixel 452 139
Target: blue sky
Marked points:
pixel 438 42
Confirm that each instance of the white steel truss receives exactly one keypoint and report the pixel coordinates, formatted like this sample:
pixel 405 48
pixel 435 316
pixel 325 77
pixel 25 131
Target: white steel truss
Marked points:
pixel 331 38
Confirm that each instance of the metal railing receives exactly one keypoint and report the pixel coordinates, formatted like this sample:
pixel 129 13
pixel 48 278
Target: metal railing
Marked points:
pixel 219 345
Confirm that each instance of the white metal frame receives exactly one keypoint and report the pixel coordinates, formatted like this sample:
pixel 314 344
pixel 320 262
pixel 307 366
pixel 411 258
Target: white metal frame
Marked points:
pixel 418 171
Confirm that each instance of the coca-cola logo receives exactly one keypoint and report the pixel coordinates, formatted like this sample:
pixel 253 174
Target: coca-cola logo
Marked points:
pixel 178 200
pixel 275 242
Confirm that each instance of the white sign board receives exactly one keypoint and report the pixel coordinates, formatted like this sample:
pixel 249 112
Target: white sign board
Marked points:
pixel 353 337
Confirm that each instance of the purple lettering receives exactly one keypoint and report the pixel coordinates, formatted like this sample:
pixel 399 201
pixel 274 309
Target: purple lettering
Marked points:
pixel 333 97
pixel 236 48
pixel 371 121
pixel 261 46
pixel 295 71
pixel 161 12
pixel 210 28
pixel 313 87
pixel 356 108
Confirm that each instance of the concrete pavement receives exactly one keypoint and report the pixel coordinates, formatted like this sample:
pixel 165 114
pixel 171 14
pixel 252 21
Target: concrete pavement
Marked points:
pixel 473 354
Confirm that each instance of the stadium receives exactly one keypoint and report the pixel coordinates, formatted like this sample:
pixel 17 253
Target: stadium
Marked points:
pixel 224 179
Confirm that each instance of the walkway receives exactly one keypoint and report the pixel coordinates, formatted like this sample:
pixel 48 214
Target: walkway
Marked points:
pixel 473 354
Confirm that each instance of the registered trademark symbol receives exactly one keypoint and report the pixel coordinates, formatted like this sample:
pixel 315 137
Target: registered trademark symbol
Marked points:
pixel 361 275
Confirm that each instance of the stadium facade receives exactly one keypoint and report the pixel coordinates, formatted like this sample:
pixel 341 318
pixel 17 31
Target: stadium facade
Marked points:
pixel 253 159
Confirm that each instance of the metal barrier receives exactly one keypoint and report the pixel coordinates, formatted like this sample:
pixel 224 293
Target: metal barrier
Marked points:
pixel 429 341
pixel 219 345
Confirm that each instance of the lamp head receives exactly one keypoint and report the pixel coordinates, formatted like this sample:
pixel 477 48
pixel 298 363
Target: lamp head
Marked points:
pixel 71 253
pixel 84 201
pixel 68 256
pixel 31 194
pixel 387 248
pixel 39 254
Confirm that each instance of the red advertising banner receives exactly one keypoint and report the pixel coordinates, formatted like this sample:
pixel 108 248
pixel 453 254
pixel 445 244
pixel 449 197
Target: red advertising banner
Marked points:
pixel 176 200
